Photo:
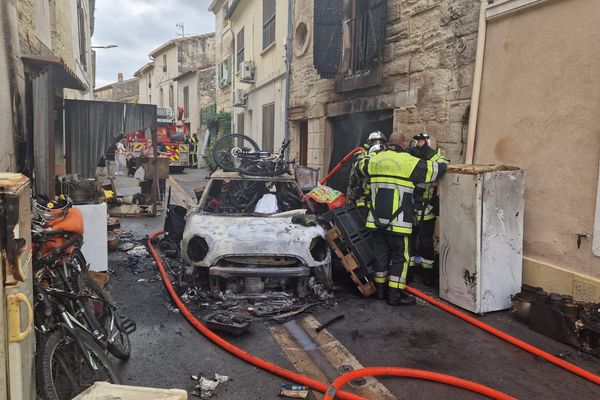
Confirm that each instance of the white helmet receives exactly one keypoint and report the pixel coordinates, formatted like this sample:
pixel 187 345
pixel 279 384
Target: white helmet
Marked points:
pixel 376 148
pixel 377 136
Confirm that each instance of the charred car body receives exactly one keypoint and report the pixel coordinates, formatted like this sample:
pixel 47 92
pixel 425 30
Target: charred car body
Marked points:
pixel 253 235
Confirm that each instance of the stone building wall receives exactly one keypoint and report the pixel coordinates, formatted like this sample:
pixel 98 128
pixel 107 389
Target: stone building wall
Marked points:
pixel 427 74
pixel 196 52
pixel 126 91
pixel 206 87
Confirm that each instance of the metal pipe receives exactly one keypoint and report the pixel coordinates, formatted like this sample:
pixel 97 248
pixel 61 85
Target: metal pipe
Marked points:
pixel 288 73
pixel 476 90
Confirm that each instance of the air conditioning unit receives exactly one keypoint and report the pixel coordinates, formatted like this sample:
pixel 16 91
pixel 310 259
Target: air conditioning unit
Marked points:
pixel 224 82
pixel 240 98
pixel 247 72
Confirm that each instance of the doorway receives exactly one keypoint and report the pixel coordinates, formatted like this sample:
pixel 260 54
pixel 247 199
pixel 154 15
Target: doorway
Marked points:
pixel 351 131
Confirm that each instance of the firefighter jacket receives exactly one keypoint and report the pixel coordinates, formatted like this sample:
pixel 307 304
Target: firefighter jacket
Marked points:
pixel 425 196
pixel 393 175
pixel 359 190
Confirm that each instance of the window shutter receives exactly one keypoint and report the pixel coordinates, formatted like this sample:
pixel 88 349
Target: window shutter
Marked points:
pixel 327 40
pixel 376 32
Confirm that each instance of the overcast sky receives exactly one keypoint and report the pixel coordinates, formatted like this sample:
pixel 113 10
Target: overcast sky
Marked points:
pixel 140 26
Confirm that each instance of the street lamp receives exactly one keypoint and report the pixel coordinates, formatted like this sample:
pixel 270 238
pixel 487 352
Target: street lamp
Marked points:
pixel 108 46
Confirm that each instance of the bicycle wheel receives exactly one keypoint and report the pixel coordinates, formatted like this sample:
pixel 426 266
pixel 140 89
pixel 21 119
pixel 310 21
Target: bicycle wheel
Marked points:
pixel 63 369
pixel 99 308
pixel 79 260
pixel 226 150
pixel 263 168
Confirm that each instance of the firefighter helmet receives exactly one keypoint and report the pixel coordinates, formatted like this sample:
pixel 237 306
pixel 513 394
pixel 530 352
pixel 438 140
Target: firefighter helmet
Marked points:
pixel 377 137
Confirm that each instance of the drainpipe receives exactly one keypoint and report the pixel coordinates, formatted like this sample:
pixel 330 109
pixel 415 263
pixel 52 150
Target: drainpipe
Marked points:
pixel 288 73
pixel 476 91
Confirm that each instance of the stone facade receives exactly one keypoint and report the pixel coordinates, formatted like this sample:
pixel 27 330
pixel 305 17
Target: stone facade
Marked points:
pixel 158 79
pixel 427 69
pixel 126 91
pixel 51 28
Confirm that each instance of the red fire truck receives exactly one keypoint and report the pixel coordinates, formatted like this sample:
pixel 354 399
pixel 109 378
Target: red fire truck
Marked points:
pixel 171 135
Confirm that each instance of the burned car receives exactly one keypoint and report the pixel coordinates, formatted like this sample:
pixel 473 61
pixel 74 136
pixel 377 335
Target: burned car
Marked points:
pixel 253 235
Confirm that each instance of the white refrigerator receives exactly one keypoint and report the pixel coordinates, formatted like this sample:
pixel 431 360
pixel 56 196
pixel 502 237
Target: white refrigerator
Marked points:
pixel 17 340
pixel 481 236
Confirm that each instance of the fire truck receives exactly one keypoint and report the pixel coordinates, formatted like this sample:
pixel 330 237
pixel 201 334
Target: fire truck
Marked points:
pixel 171 134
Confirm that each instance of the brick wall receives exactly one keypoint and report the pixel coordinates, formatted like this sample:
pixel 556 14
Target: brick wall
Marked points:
pixel 427 74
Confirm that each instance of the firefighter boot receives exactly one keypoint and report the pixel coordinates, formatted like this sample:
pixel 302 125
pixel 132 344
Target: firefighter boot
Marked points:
pixel 398 297
pixel 380 291
pixel 428 276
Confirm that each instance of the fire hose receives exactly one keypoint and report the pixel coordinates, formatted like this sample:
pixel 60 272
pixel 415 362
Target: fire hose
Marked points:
pixel 332 391
pixel 339 165
pixel 305 380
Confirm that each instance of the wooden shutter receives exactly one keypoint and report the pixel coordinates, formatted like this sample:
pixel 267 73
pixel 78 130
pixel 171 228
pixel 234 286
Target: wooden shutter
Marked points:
pixel 327 40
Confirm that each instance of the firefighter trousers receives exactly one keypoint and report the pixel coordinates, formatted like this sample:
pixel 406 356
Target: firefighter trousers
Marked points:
pixel 422 242
pixel 392 252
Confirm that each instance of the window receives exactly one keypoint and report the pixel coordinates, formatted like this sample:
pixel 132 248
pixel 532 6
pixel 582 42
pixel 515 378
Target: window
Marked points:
pixel 268 127
pixel 150 79
pixel 161 98
pixel 240 48
pixel 186 101
pixel 164 63
pixel 82 36
pixel 268 23
pixel 149 99
pixel 225 72
pixel 171 95
pixel 239 125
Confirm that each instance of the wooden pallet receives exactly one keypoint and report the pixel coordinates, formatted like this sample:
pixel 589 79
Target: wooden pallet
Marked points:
pixel 349 261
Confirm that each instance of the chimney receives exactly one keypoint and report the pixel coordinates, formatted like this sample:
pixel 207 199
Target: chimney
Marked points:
pixel 120 77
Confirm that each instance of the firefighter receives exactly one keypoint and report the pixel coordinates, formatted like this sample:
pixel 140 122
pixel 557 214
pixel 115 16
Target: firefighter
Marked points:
pixel 193 151
pixel 393 174
pixel 359 191
pixel 426 210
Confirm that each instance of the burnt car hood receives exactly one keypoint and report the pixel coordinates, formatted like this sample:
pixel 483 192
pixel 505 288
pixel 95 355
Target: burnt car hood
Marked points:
pixel 255 236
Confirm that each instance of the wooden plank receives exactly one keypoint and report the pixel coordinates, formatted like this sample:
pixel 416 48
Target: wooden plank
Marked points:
pixel 339 357
pixel 299 358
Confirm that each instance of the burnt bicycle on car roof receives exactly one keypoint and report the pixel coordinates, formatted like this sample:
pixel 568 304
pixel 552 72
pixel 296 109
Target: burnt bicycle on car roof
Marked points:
pixel 250 232
pixel 240 153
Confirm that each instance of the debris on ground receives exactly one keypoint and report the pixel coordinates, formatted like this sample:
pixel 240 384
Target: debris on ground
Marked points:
pixel 227 322
pixel 138 251
pixel 293 391
pixel 319 290
pixel 329 322
pixel 126 246
pixel 206 387
pixel 138 265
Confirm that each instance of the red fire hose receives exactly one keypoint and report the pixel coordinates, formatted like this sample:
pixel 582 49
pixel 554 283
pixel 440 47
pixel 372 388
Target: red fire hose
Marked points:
pixel 236 351
pixel 508 338
pixel 417 374
pixel 339 165
pixel 304 380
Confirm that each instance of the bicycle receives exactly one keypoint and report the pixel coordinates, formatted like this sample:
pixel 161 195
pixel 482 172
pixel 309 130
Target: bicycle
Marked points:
pixel 68 358
pixel 240 153
pixel 87 303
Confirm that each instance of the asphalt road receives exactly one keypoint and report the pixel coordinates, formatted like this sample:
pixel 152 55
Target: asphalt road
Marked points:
pixel 167 350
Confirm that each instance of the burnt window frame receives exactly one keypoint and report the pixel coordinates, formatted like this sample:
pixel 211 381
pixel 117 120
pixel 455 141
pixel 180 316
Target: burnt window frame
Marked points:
pixel 269 28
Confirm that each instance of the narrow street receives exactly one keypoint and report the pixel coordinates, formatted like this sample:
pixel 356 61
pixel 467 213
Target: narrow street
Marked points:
pixel 167 351
pixel 316 199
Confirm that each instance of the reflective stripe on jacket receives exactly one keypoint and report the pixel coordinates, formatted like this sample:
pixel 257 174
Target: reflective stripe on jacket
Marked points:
pixel 428 191
pixel 393 175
